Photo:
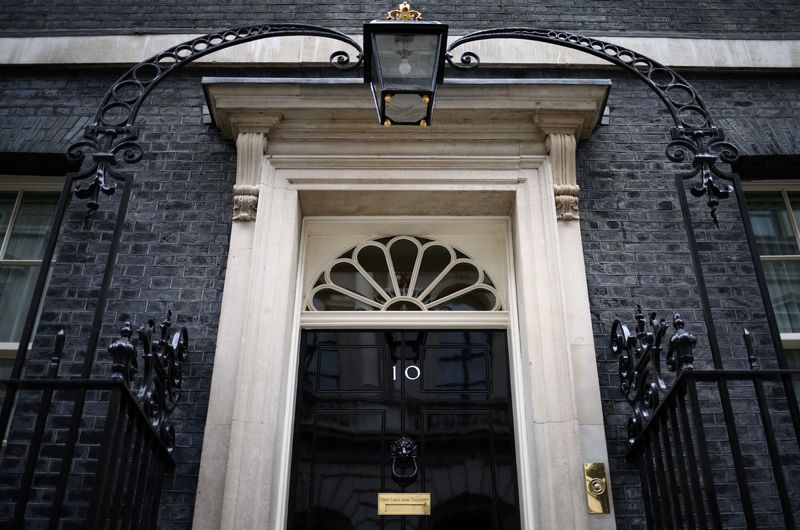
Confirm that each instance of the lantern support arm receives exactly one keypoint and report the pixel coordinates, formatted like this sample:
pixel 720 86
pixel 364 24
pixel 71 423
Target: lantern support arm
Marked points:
pixel 112 137
pixel 695 139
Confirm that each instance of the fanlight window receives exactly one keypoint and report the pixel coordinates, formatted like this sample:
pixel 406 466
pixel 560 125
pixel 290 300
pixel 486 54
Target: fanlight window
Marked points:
pixel 403 273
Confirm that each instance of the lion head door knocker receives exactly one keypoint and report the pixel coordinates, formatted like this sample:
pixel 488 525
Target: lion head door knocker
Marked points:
pixel 404 460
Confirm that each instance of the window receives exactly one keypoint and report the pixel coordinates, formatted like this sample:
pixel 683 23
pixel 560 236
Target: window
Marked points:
pixel 27 210
pixel 403 273
pixel 775 215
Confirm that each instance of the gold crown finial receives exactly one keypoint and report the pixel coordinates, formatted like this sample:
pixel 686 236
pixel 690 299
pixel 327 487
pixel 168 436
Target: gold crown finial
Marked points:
pixel 403 13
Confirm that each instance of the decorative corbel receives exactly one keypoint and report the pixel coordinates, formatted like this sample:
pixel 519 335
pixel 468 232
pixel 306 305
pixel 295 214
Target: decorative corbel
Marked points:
pixel 566 197
pixel 250 149
pixel 245 202
pixel 561 148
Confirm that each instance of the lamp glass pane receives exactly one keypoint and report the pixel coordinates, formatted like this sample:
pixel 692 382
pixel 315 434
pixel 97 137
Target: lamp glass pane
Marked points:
pixel 405 108
pixel 407 60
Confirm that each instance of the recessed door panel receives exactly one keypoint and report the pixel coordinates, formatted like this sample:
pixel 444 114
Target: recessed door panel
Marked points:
pixel 403 411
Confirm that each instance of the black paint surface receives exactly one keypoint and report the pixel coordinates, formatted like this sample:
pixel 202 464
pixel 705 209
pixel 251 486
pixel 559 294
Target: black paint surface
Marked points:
pixel 350 409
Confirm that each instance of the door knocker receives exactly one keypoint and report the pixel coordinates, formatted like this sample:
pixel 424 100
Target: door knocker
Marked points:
pixel 404 460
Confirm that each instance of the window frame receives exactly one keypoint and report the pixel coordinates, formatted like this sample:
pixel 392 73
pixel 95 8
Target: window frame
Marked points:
pixel 789 340
pixel 21 184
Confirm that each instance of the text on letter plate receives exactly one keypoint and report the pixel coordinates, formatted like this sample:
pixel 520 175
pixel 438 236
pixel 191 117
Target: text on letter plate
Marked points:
pixel 404 503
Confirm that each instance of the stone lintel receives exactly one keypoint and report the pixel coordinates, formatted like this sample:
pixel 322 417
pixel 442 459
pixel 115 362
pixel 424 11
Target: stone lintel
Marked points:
pixel 501 110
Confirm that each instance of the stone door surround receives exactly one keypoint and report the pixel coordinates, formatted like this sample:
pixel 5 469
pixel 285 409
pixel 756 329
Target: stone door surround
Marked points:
pixel 310 149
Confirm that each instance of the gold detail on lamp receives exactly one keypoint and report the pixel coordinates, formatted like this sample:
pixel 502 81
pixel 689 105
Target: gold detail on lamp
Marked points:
pixel 426 99
pixel 387 123
pixel 423 123
pixel 596 488
pixel 404 13
pixel 387 98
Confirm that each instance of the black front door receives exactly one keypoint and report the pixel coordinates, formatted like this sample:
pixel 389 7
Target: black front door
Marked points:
pixel 439 402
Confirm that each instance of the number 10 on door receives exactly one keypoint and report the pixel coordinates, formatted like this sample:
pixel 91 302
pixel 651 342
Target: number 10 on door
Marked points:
pixel 412 372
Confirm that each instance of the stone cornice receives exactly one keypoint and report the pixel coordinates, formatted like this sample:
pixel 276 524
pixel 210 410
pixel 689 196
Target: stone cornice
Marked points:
pixel 677 52
pixel 340 110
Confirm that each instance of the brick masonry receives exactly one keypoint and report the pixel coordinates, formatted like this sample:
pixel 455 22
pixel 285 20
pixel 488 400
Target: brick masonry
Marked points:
pixel 175 244
pixel 173 251
pixel 767 19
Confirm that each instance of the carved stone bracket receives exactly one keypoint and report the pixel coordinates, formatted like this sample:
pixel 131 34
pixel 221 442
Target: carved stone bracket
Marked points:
pixel 566 196
pixel 245 202
pixel 561 148
pixel 250 148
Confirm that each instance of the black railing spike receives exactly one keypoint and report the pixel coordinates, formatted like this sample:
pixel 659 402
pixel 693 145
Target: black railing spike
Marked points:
pixel 58 352
pixel 752 360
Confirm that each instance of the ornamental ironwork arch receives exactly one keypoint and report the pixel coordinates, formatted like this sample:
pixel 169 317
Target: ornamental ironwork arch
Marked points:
pixel 695 138
pixel 112 137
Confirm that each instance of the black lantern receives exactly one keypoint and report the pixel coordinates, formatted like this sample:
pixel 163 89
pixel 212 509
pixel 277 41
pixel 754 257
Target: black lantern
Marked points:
pixel 403 61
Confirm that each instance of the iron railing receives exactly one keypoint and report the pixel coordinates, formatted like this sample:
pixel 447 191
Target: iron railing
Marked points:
pixel 106 470
pixel 700 468
pixel 715 448
pixel 116 481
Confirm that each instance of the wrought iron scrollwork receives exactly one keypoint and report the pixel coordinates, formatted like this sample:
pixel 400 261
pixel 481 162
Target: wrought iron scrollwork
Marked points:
pixel 162 377
pixel 107 146
pixel 160 388
pixel 704 149
pixel 467 61
pixel 695 138
pixel 122 102
pixel 112 137
pixel 639 358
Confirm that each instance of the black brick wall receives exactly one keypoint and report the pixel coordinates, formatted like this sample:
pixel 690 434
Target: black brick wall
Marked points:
pixel 636 252
pixel 717 18
pixel 173 250
pixel 175 244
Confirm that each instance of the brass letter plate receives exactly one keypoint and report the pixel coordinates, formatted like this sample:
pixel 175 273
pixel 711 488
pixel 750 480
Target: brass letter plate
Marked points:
pixel 404 503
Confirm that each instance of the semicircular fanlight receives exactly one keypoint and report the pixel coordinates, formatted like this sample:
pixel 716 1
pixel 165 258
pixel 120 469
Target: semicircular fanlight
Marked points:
pixel 403 273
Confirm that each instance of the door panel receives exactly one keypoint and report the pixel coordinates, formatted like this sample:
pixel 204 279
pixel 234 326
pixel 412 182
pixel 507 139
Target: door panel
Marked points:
pixel 359 391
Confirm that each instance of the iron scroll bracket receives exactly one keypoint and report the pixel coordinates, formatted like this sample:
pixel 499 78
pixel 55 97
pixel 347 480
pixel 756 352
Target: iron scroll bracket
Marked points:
pixel 695 139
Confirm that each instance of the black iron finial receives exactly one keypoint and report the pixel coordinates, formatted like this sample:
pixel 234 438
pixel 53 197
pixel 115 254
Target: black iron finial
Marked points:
pixel 124 357
pixel 58 352
pixel 680 354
